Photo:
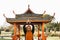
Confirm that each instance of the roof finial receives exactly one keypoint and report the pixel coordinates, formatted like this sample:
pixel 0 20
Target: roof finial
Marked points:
pixel 28 6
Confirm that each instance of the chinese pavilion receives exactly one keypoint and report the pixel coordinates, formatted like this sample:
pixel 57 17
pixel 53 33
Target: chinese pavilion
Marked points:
pixel 33 18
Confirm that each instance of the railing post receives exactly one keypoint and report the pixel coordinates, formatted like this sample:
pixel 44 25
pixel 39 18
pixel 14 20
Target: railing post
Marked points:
pixel 38 32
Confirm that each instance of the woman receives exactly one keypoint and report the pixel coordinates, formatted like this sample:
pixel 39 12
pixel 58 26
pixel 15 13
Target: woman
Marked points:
pixel 29 35
pixel 28 31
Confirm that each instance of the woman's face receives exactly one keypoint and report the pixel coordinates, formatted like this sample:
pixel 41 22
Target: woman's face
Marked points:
pixel 28 28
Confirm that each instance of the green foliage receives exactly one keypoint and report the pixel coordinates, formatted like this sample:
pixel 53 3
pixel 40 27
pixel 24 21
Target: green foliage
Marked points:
pixel 7 30
pixel 0 31
pixel 53 26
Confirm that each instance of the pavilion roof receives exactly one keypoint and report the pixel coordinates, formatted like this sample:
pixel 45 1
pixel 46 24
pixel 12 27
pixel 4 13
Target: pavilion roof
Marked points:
pixel 31 16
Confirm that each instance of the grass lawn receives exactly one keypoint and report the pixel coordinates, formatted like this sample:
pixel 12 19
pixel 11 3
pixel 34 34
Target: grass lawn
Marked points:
pixel 4 39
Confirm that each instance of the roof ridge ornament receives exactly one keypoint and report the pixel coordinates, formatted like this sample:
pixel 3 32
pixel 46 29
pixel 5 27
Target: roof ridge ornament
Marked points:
pixel 54 14
pixel 14 12
pixel 43 13
pixel 29 10
pixel 28 6
pixel 28 21
pixel 4 15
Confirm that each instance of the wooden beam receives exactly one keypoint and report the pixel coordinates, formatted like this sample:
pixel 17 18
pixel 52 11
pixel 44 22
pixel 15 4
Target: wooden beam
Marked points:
pixel 8 20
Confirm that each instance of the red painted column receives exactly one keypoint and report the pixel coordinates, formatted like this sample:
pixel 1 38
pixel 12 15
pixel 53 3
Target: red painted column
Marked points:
pixel 15 30
pixel 19 31
pixel 38 32
pixel 43 36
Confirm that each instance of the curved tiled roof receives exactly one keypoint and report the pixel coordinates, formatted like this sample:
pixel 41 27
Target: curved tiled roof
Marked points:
pixel 31 16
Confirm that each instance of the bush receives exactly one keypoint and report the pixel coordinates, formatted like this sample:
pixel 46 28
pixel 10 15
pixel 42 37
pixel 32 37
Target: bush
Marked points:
pixel 7 30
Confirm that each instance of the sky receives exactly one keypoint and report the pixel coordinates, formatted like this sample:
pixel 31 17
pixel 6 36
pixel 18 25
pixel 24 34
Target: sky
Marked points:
pixel 37 6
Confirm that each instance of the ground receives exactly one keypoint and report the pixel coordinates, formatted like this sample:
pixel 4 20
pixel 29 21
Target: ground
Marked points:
pixel 35 38
pixel 4 39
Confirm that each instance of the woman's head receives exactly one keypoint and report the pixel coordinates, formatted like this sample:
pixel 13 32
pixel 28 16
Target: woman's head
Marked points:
pixel 28 28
